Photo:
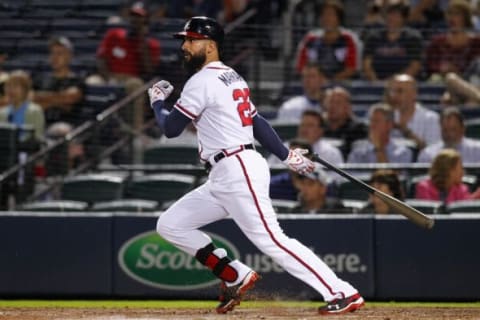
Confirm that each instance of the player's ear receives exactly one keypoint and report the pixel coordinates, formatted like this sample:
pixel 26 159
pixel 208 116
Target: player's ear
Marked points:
pixel 211 46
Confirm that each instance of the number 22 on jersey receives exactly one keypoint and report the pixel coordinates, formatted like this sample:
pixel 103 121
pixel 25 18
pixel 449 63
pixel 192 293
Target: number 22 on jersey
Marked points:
pixel 243 106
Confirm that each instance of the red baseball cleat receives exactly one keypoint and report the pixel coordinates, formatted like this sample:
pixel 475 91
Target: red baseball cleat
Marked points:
pixel 340 306
pixel 231 296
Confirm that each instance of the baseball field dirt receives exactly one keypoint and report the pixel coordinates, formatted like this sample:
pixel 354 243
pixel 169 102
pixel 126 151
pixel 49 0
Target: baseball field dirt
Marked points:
pixel 248 310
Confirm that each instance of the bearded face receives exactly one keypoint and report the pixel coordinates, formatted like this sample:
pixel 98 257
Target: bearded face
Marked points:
pixel 193 61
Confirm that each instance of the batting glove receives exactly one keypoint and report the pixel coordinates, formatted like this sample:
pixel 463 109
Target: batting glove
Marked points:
pixel 159 91
pixel 297 162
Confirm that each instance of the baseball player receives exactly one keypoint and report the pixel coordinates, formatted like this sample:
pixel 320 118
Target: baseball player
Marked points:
pixel 217 100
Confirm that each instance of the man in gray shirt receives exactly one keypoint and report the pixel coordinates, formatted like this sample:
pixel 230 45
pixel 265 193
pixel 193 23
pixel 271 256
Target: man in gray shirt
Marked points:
pixel 379 147
pixel 453 137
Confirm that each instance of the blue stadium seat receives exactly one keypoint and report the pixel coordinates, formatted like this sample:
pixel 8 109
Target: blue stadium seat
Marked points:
pixel 76 24
pixel 112 5
pixel 86 46
pixel 35 26
pixel 35 46
pixel 47 13
pixel 54 4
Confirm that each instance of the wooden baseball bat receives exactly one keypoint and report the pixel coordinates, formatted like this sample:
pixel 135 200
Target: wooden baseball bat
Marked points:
pixel 396 205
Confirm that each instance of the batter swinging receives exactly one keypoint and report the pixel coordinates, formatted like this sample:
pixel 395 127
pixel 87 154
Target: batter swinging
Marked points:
pixel 217 100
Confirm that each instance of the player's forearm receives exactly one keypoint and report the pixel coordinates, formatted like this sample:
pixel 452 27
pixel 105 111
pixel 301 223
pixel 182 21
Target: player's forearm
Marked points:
pixel 171 123
pixel 268 138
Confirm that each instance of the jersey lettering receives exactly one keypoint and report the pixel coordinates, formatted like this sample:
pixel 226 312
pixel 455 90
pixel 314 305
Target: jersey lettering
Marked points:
pixel 243 106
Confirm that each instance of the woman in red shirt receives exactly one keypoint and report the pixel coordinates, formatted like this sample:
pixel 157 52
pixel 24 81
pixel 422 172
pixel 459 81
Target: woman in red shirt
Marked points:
pixel 445 182
pixel 454 50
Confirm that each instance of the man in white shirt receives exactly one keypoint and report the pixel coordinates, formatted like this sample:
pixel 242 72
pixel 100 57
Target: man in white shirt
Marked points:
pixel 412 121
pixel 313 81
pixel 453 137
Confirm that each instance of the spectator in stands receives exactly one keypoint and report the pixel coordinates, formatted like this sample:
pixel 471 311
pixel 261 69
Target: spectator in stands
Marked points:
pixel 427 14
pixel 336 49
pixel 453 137
pixel 445 181
pixel 60 92
pixel 454 50
pixel 340 120
pixel 312 128
pixel 379 147
pixel 387 181
pixel 313 81
pixel 412 121
pixel 127 56
pixel 312 194
pixel 393 49
pixel 20 110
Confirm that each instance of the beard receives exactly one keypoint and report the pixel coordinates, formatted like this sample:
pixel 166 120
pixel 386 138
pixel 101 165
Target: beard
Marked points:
pixel 195 62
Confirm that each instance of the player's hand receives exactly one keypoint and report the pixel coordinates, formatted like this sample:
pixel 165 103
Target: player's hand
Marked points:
pixel 159 91
pixel 297 162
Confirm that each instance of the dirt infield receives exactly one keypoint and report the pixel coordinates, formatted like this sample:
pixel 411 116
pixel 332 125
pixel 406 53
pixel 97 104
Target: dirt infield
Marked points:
pixel 274 313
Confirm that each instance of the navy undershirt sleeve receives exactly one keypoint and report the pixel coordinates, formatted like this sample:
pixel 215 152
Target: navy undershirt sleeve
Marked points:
pixel 268 138
pixel 173 122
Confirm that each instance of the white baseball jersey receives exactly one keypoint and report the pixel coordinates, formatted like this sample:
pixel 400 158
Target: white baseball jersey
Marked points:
pixel 217 99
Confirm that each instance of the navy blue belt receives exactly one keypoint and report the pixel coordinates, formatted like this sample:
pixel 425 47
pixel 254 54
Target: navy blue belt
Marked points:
pixel 224 153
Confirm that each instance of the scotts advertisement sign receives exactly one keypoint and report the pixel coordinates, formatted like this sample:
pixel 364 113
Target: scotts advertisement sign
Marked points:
pixel 153 261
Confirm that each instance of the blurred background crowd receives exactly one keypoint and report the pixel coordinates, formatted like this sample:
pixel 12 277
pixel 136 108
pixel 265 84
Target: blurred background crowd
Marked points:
pixel 389 90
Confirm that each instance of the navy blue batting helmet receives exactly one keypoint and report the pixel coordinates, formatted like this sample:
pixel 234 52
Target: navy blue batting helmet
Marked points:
pixel 202 28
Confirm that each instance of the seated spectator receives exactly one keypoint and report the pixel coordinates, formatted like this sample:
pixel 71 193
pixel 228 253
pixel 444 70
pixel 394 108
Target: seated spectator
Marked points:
pixel 453 137
pixel 379 147
pixel 445 181
pixel 412 120
pixel 388 182
pixel 336 49
pixel 427 14
pixel 313 81
pixel 340 120
pixel 311 130
pixel 126 56
pixel 393 49
pixel 60 92
pixel 454 50
pixel 312 194
pixel 20 110
pixel 61 161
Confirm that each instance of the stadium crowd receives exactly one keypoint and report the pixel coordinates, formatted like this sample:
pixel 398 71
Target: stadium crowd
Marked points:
pixel 398 46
